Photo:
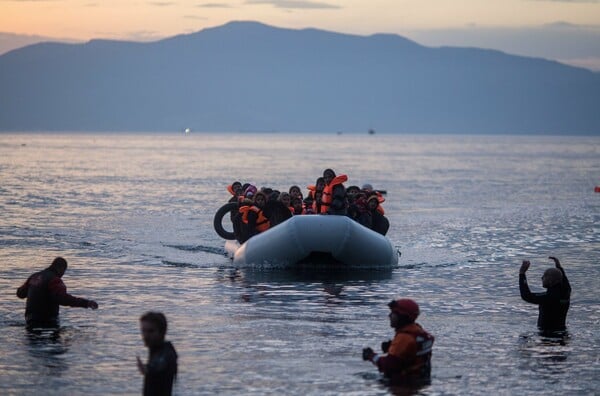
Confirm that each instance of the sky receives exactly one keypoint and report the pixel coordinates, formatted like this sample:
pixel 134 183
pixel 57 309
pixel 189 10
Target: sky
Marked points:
pixel 565 30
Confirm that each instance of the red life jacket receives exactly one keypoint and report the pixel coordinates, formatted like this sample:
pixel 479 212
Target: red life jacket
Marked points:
pixel 262 223
pixel 326 198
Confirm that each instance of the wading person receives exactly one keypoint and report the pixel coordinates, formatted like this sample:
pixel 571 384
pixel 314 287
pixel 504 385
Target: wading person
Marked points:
pixel 161 369
pixel 554 302
pixel 45 292
pixel 406 358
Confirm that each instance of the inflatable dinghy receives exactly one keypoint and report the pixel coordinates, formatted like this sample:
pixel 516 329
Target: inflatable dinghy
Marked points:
pixel 323 240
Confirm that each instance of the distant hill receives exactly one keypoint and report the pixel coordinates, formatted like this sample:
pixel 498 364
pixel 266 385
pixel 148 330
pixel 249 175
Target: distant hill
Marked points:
pixel 248 76
pixel 11 41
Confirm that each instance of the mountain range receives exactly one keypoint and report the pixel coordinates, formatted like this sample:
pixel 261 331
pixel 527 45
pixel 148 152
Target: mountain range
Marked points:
pixel 247 76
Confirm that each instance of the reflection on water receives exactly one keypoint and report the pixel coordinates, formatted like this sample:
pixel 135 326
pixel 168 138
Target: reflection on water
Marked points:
pixel 47 346
pixel 545 354
pixel 133 215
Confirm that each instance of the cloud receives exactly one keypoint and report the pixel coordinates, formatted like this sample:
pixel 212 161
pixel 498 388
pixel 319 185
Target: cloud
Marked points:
pixel 295 4
pixel 587 63
pixel 161 3
pixel 143 35
pixel 214 5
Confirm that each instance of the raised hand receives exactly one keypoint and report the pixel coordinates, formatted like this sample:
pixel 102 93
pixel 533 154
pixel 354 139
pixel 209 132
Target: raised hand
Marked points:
pixel 524 266
pixel 556 262
pixel 367 354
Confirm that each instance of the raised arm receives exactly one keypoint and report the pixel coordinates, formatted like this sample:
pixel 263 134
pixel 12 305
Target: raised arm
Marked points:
pixel 526 294
pixel 565 280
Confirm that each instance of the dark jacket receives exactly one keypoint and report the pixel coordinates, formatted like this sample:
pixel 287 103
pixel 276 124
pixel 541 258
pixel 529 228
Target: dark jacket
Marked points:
pixel 553 304
pixel 45 292
pixel 161 370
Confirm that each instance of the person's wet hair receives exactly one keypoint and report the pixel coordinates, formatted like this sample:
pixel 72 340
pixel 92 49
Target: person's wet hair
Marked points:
pixel 158 318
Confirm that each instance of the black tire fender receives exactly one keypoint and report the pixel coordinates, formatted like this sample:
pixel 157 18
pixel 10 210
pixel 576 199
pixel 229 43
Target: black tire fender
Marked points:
pixel 218 220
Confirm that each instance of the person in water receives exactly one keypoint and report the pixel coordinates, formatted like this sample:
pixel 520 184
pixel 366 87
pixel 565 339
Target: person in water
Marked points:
pixel 45 292
pixel 161 370
pixel 407 357
pixel 554 302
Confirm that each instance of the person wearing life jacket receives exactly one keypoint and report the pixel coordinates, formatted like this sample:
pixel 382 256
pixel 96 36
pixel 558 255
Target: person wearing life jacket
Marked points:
pixel 253 216
pixel 235 189
pixel 237 195
pixel 240 230
pixel 357 211
pixel 373 218
pixel 368 189
pixel 318 186
pixel 45 292
pixel 298 206
pixel 331 180
pixel 407 357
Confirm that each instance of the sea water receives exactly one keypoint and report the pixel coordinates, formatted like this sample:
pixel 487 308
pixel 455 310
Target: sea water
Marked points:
pixel 133 213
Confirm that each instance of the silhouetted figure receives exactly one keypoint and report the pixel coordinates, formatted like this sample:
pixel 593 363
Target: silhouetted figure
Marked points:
pixel 407 358
pixel 373 218
pixel 554 302
pixel 277 212
pixel 45 292
pixel 161 369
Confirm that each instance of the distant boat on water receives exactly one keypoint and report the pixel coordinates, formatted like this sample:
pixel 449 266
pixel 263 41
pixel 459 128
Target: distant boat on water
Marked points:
pixel 371 131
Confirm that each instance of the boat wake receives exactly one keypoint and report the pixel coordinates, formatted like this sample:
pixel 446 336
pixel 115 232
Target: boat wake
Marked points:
pixel 199 248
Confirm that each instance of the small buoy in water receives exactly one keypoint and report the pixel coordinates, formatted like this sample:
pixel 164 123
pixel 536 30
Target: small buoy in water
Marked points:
pixel 597 189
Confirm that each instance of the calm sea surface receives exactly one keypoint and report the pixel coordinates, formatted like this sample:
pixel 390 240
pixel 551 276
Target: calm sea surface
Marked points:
pixel 133 216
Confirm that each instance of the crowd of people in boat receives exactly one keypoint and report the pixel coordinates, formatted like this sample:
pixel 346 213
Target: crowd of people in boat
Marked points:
pixel 260 209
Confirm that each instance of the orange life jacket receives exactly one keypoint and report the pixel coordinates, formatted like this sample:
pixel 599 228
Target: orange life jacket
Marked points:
pixel 381 200
pixel 412 345
pixel 326 198
pixel 262 223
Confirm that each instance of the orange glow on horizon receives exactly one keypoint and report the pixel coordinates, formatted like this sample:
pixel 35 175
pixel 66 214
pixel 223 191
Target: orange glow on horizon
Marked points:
pixel 163 18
